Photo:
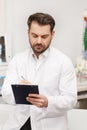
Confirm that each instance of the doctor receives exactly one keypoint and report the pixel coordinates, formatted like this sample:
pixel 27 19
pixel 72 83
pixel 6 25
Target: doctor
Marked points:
pixel 51 70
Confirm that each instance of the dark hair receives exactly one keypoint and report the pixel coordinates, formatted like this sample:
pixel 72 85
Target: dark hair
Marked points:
pixel 42 19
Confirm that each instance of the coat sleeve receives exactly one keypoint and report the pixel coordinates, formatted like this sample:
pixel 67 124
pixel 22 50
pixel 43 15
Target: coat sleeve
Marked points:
pixel 21 112
pixel 66 100
pixel 11 78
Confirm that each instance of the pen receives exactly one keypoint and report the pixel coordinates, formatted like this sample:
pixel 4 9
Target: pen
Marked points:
pixel 23 77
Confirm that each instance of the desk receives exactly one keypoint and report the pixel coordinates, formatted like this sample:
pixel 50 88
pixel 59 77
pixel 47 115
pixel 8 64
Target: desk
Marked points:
pixel 77 119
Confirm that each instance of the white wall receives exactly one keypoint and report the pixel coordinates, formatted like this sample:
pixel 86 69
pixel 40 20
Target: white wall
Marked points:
pixel 69 23
pixel 2 16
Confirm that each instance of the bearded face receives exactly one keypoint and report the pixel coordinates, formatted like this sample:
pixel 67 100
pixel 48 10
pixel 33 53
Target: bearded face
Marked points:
pixel 40 37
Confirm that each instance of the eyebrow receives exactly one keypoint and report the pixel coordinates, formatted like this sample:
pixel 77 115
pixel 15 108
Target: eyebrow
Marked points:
pixel 41 35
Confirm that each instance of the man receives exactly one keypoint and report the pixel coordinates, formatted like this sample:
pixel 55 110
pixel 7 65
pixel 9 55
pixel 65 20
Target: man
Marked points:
pixel 51 70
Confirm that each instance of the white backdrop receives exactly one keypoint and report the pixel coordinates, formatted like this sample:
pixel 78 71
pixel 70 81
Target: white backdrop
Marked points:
pixel 69 23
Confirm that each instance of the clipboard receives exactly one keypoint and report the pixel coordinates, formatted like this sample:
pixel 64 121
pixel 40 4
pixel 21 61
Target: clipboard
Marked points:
pixel 21 91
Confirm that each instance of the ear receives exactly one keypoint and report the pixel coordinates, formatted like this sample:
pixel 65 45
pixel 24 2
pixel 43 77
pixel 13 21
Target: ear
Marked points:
pixel 28 31
pixel 53 32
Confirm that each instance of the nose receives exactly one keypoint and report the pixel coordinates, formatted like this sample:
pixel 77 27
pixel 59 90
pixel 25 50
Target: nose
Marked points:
pixel 39 40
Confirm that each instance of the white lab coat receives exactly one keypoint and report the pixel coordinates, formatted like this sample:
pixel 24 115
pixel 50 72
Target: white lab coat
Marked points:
pixel 54 73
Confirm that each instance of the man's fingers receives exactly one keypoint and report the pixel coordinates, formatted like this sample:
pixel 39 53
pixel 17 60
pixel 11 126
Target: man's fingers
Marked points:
pixel 24 82
pixel 38 100
pixel 35 102
pixel 34 95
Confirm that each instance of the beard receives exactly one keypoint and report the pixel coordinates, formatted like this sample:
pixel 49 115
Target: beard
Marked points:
pixel 39 48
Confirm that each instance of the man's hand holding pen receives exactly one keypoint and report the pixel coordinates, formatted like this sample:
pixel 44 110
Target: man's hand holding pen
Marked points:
pixel 24 81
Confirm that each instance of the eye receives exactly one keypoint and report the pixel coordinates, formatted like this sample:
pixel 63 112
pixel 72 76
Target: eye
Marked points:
pixel 45 36
pixel 34 35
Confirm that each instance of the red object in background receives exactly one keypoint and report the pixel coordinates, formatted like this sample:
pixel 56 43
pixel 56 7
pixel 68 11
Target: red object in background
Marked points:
pixel 85 18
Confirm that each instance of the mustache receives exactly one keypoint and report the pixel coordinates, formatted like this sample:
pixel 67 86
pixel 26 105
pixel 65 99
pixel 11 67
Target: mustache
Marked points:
pixel 38 44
